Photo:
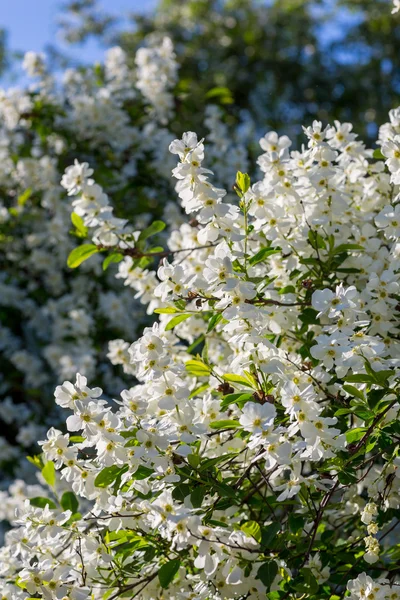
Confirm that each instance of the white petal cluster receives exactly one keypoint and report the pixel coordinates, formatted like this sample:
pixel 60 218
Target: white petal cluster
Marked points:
pixel 246 443
pixel 55 321
pixel 156 74
pixel 253 406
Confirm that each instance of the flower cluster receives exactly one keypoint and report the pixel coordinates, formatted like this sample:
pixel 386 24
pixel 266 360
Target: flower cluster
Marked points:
pixel 259 432
pixel 54 321
pixel 157 72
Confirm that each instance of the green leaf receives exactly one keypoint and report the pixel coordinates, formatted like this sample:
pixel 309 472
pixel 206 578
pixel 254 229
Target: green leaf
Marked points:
pixel 267 573
pixel 169 310
pixel 347 478
pixel 353 391
pixel 41 502
pixel 262 255
pixel 69 502
pixel 363 412
pixel 288 289
pixel 239 398
pixel 36 461
pixel 214 320
pixel 354 435
pixel 226 423
pixel 77 439
pixel 343 411
pixel 196 343
pixel 49 473
pixel 359 378
pixel 242 181
pixel 309 317
pixel 168 572
pixel 180 303
pixel 79 225
pixel 224 490
pixel 347 270
pixel 211 462
pixel 176 320
pixel 252 529
pixel 197 496
pixel 153 229
pixel 194 460
pixel 346 248
pixel 142 472
pixel 378 154
pixel 108 475
pixel 296 522
pixel 381 377
pixel 232 378
pixel 310 585
pixel 218 91
pixel 24 197
pixel 374 397
pixel 80 254
pixel 114 257
pixel 269 534
pixel 199 390
pixel 316 240
pixel 181 492
pixel 197 368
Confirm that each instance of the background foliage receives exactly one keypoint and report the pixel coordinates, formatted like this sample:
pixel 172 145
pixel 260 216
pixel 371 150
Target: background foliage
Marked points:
pixel 284 62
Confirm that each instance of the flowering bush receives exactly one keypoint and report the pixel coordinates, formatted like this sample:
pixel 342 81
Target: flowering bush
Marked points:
pixel 247 442
pixel 54 321
pixel 257 452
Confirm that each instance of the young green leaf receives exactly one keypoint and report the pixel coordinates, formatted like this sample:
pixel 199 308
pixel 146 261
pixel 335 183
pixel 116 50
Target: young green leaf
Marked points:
pixel 378 154
pixel 197 368
pixel 213 322
pixel 252 529
pixel 49 473
pixel 176 320
pixel 24 197
pixel 114 257
pixel 80 254
pixel 354 435
pixel 353 391
pixel 79 225
pixel 226 423
pixel 346 248
pixel 153 229
pixel 232 378
pixel 262 255
pixel 242 181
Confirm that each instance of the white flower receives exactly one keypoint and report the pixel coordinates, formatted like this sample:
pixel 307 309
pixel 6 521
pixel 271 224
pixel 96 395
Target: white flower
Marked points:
pixel 257 417
pixel 332 304
pixel 76 177
pixel 369 512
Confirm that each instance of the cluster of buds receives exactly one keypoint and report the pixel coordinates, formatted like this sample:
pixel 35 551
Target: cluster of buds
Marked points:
pixel 371 543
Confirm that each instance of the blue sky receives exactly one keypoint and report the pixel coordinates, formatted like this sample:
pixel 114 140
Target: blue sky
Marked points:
pixel 31 24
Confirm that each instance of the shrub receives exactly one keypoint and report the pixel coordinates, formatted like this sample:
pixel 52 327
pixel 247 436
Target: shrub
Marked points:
pixel 258 451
